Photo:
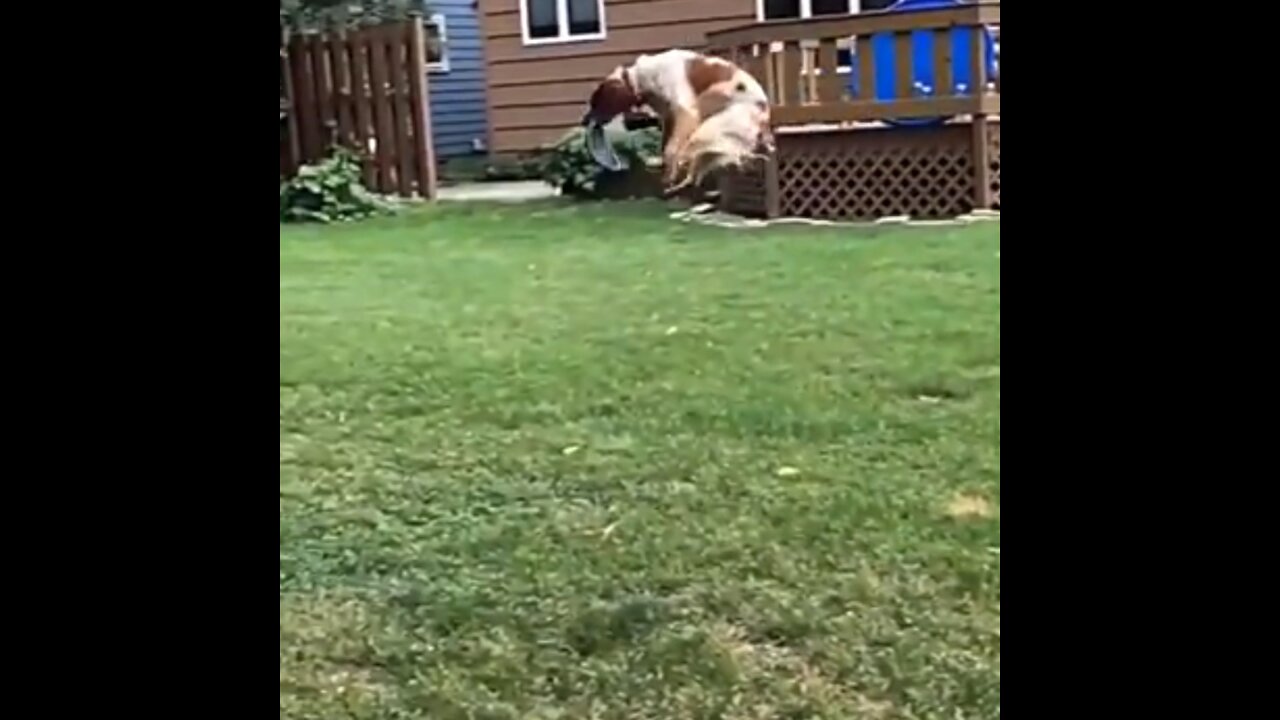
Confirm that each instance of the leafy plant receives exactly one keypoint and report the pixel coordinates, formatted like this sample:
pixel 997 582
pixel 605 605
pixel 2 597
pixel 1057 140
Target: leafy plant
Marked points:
pixel 302 15
pixel 569 166
pixel 331 191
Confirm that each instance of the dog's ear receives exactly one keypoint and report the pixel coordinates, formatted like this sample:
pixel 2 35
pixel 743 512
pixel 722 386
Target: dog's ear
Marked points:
pixel 610 99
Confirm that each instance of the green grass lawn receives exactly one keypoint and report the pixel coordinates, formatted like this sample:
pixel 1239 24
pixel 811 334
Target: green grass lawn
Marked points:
pixel 587 462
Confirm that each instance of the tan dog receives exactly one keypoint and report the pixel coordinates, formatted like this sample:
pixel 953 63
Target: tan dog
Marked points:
pixel 732 133
pixel 682 87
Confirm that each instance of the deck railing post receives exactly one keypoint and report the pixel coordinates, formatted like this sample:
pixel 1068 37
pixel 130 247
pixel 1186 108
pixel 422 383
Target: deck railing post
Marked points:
pixel 772 193
pixel 981 154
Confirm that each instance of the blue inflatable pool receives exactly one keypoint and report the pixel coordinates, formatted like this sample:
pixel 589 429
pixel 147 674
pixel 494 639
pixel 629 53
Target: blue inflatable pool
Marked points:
pixel 922 60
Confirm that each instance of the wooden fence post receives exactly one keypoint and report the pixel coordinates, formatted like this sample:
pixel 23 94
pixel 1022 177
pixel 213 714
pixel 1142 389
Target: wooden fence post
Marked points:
pixel 361 95
pixel 423 151
pixel 289 104
pixel 385 135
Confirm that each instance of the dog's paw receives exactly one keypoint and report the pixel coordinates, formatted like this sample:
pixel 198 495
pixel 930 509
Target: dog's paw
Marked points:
pixel 671 191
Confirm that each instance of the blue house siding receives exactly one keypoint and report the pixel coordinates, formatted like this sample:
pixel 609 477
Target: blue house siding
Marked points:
pixel 458 112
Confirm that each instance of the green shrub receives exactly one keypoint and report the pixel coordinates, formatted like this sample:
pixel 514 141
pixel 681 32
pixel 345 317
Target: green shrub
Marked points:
pixel 302 15
pixel 568 164
pixel 331 190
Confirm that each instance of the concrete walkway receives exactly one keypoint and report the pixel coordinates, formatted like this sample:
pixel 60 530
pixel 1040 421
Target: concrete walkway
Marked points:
pixel 499 191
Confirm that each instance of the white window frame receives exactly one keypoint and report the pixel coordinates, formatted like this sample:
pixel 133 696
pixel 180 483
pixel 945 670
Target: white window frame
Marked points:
pixel 806 12
pixel 438 19
pixel 562 22
pixel 806 9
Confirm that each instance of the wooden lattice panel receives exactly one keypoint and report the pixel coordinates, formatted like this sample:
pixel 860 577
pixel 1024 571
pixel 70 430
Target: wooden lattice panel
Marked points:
pixel 744 192
pixel 869 173
pixel 993 139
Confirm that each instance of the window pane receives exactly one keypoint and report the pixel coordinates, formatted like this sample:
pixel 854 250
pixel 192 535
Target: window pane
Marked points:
pixel 781 9
pixel 584 17
pixel 830 7
pixel 541 15
pixel 877 4
pixel 435 48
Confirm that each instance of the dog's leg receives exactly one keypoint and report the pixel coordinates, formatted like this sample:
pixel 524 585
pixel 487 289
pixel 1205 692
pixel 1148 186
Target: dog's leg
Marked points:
pixel 676 189
pixel 681 179
pixel 704 166
pixel 667 124
pixel 695 172
pixel 683 123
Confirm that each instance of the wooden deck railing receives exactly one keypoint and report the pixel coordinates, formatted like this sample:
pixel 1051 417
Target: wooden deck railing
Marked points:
pixel 796 61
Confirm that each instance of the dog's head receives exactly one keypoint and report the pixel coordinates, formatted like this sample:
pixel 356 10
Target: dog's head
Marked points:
pixel 612 97
pixel 746 87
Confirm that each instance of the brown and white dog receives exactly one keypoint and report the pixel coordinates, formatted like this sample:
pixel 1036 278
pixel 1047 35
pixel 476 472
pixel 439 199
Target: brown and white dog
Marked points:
pixel 683 88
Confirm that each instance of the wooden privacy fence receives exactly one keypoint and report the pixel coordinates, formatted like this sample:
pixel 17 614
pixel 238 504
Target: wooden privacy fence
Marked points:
pixel 835 157
pixel 365 89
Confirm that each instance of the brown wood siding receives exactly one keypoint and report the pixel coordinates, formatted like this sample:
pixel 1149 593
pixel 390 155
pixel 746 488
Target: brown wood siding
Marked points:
pixel 538 93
